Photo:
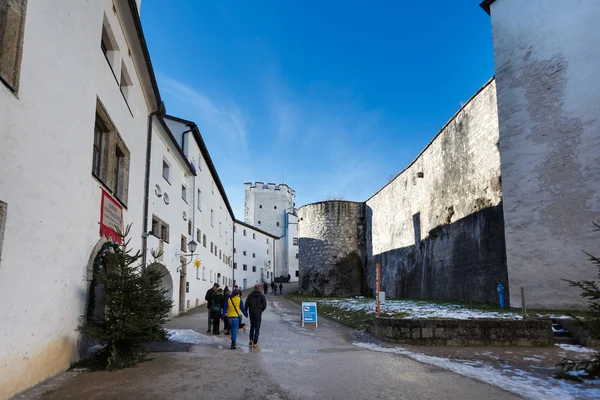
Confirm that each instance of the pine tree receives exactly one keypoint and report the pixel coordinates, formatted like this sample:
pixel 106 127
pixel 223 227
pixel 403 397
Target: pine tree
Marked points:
pixel 135 307
pixel 591 292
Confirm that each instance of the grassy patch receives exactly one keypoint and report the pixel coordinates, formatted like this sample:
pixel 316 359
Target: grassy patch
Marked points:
pixel 353 319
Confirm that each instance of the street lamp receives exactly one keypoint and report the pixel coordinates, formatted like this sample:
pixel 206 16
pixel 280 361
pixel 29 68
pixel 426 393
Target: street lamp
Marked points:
pixel 192 245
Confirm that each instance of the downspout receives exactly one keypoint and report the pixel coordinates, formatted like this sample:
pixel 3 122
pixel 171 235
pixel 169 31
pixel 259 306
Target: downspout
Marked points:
pixel 159 111
pixel 233 256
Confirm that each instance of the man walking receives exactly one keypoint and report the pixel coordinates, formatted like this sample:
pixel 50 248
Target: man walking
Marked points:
pixel 266 288
pixel 256 303
pixel 209 302
pixel 280 288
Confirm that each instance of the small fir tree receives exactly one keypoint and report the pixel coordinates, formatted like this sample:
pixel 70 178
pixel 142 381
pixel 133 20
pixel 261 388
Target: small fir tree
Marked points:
pixel 135 307
pixel 590 290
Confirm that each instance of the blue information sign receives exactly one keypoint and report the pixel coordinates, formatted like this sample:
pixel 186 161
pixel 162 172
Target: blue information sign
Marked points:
pixel 309 313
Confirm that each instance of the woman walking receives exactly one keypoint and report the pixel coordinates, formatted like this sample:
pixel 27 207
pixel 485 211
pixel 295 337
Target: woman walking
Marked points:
pixel 234 307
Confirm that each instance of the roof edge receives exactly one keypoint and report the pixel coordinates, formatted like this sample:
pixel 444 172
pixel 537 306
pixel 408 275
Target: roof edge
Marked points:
pixel 179 149
pixel 257 229
pixel 135 14
pixel 211 166
pixel 486 5
pixel 481 89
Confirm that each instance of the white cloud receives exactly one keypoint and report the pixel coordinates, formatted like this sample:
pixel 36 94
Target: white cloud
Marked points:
pixel 217 116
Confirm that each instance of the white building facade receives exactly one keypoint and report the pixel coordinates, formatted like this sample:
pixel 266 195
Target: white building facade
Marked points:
pixel 187 203
pixel 272 208
pixel 546 57
pixel 75 94
pixel 254 255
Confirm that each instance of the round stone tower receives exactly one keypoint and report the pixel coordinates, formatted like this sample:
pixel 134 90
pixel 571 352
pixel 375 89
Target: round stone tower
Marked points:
pixel 332 248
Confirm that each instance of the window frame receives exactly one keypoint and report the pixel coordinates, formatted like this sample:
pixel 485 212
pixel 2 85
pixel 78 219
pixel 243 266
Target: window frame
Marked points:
pixel 12 82
pixel 168 169
pixel 113 170
pixel 161 225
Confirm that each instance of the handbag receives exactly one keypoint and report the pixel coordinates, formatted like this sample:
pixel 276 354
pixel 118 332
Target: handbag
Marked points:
pixel 237 312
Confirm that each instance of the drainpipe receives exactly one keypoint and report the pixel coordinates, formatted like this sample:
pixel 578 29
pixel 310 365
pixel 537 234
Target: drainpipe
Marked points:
pixel 159 111
pixel 233 256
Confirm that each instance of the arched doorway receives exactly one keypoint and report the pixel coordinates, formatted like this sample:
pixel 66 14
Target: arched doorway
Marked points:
pixel 94 296
pixel 166 280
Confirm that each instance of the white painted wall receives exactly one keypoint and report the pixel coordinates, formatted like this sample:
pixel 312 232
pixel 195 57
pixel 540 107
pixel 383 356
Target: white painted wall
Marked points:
pixel 266 206
pixel 220 232
pixel 53 201
pixel 292 249
pixel 546 55
pixel 259 249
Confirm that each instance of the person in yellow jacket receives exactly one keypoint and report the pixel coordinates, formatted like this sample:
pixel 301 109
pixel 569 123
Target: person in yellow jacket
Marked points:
pixel 233 310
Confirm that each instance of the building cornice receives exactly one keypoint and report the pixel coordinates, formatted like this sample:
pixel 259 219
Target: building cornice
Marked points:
pixel 486 5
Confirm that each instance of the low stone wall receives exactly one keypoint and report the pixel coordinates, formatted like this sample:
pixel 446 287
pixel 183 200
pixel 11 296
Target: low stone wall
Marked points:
pixel 452 332
pixel 579 332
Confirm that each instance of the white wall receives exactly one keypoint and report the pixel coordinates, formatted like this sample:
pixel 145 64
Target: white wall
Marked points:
pixel 266 205
pixel 259 249
pixel 292 249
pixel 47 134
pixel 546 55
pixel 197 209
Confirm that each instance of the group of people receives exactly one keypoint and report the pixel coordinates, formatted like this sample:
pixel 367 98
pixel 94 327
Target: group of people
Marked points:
pixel 228 306
pixel 273 288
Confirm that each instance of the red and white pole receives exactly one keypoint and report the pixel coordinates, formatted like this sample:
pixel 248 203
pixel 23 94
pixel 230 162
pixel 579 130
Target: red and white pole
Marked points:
pixel 378 288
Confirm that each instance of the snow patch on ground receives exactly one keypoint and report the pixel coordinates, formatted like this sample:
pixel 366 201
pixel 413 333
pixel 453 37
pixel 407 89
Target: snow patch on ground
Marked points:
pixel 576 348
pixel 192 337
pixel 423 309
pixel 514 380
pixel 532 359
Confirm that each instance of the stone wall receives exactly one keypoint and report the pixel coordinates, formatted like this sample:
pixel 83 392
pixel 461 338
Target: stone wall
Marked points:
pixel 480 332
pixel 331 248
pixel 437 228
pixel 548 109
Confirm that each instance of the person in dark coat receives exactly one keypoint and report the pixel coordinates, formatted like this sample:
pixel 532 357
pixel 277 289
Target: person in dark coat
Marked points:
pixel 280 288
pixel 226 325
pixel 218 301
pixel 208 297
pixel 266 288
pixel 273 287
pixel 256 303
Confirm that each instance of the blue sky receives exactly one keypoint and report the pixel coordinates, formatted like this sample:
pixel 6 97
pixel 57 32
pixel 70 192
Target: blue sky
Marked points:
pixel 335 97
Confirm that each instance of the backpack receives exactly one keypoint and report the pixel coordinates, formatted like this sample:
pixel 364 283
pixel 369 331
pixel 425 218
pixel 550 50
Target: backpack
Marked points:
pixel 216 307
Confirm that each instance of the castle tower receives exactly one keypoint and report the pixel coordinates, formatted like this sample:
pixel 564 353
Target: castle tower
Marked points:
pixel 266 206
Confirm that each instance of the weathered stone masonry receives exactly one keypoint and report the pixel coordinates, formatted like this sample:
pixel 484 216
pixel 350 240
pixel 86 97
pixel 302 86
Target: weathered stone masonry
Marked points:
pixel 332 244
pixel 437 228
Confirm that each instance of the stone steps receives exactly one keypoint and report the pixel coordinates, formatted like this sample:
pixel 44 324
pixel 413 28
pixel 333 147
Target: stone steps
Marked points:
pixel 561 335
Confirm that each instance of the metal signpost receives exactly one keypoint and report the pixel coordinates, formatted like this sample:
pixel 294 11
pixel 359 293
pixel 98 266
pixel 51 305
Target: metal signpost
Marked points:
pixel 309 313
pixel 378 288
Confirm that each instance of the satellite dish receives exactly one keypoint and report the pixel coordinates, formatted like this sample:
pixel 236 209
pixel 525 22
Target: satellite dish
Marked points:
pixel 184 216
pixel 166 198
pixel 158 191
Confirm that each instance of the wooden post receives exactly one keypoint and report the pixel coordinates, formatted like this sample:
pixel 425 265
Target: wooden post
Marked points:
pixel 523 303
pixel 378 288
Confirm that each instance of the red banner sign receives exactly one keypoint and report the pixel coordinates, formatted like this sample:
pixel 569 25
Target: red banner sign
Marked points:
pixel 111 218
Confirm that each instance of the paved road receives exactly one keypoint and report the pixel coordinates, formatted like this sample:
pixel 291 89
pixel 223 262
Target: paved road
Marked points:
pixel 292 363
